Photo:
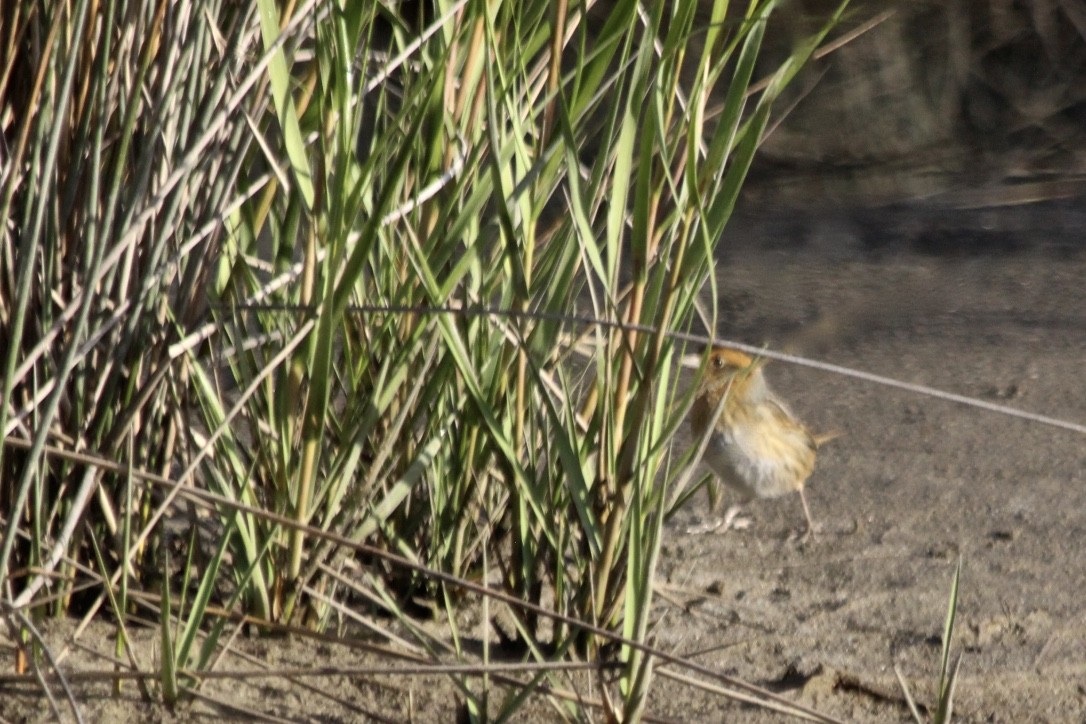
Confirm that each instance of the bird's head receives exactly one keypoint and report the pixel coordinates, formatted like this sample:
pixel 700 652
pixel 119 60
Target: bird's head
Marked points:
pixel 730 369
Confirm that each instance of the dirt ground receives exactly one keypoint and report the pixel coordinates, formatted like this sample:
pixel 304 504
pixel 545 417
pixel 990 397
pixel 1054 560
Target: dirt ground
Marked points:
pixel 912 484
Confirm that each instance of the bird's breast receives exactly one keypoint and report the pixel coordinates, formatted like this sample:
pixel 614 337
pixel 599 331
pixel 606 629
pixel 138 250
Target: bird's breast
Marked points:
pixel 762 456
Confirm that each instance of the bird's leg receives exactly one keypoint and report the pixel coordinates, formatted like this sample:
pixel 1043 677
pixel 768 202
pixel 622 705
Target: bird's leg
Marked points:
pixel 807 514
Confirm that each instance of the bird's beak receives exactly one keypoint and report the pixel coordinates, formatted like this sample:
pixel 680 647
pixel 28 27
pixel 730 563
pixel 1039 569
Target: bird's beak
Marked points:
pixel 691 361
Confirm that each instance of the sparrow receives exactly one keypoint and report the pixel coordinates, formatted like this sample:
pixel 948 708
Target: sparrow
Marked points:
pixel 756 446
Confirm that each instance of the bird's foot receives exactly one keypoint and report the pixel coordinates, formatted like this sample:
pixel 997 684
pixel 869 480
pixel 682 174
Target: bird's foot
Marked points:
pixel 805 535
pixel 734 521
pixel 706 526
pixel 833 527
pixel 731 521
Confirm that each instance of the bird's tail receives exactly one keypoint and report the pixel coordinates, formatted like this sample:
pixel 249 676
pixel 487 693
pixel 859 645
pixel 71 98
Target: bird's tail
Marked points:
pixel 825 437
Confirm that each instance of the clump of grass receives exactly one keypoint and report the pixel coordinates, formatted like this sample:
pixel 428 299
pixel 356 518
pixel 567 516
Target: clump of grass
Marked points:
pixel 948 673
pixel 327 264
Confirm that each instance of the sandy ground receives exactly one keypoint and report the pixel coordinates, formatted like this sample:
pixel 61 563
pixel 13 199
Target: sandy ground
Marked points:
pixel 912 484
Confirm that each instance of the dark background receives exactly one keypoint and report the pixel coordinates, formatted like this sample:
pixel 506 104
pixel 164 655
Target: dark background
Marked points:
pixel 948 127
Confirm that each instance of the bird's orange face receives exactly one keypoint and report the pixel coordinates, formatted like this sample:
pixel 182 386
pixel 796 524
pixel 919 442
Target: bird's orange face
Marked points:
pixel 730 369
pixel 724 360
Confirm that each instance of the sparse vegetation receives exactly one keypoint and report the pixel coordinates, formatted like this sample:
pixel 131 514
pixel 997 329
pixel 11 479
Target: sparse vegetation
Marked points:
pixel 943 710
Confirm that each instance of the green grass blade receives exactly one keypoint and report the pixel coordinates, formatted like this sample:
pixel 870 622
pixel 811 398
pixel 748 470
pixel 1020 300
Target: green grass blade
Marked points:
pixel 947 677
pixel 279 75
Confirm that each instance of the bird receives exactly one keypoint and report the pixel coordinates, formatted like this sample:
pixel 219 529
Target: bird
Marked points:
pixel 756 447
